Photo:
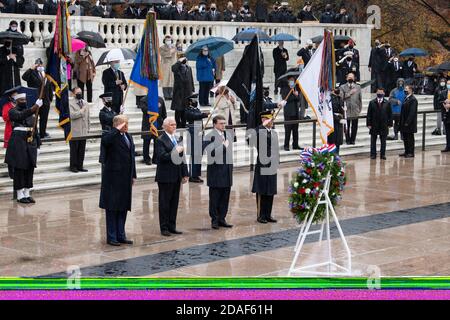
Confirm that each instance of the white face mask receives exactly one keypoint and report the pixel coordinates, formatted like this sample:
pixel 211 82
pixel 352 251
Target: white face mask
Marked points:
pixel 179 6
pixel 169 42
pixel 14 28
pixel 41 69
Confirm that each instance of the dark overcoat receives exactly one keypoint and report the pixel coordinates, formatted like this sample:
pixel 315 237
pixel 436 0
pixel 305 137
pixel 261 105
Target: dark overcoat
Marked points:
pixel 379 117
pixel 183 86
pixel 408 115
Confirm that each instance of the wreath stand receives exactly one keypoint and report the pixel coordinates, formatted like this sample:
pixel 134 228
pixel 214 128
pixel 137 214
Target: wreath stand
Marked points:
pixel 324 199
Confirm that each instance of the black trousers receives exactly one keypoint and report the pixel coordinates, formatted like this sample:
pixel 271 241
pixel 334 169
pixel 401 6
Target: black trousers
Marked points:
pixel 447 134
pixel 77 152
pixel 168 197
pixel 23 178
pixel 276 82
pixel 43 119
pixel 219 199
pixel 288 130
pixel 180 119
pixel 115 225
pixel 264 205
pixel 409 142
pixel 396 118
pixel 373 145
pixel 203 92
pixel 146 150
pixel 195 167
pixel 88 89
pixel 352 130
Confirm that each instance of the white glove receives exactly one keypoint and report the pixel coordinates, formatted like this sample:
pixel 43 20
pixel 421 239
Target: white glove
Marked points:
pixel 343 121
pixel 39 103
pixel 122 109
pixel 282 103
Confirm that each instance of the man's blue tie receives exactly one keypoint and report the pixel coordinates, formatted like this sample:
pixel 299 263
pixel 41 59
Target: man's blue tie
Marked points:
pixel 174 141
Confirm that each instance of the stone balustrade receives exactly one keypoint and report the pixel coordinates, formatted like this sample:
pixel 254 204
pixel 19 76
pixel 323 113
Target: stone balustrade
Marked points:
pixel 127 32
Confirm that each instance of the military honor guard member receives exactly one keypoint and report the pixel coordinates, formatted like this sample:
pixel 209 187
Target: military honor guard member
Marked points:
pixel 21 154
pixel 171 172
pixel 219 144
pixel 267 162
pixel 118 176
pixel 106 114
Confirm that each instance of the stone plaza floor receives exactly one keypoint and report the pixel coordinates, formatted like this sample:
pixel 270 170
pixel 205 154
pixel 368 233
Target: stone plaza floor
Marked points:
pixel 395 214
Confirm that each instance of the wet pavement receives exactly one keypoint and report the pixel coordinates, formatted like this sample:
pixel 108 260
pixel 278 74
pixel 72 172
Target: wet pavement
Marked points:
pixel 395 214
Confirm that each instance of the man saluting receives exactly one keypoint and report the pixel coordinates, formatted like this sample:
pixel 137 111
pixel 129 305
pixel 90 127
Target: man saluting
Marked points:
pixel 267 162
pixel 21 154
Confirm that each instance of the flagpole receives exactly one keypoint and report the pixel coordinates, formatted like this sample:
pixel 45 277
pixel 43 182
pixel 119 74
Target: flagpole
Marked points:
pixel 212 110
pixel 122 106
pixel 36 114
pixel 279 108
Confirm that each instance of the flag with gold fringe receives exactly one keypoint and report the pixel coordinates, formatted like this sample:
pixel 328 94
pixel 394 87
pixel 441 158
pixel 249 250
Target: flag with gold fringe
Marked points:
pixel 56 71
pixel 317 82
pixel 146 69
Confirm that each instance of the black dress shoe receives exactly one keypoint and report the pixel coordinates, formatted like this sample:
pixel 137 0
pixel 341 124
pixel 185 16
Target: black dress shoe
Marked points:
pixel 297 148
pixel 126 241
pixel 445 150
pixel 373 157
pixel 271 220
pixel 148 162
pixel 74 170
pixel 23 200
pixel 225 225
pixel 215 226
pixel 261 220
pixel 82 170
pixel 402 155
pixel 113 243
pixel 31 200
pixel 196 180
pixel 286 149
pixel 165 233
pixel 175 232
pixel 383 157
pixel 409 156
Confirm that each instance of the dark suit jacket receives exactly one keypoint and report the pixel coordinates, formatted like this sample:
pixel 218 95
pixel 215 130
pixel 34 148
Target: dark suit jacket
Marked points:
pixel 109 82
pixel 175 15
pixel 408 115
pixel 408 71
pixel 34 80
pixel 216 17
pixel 280 63
pixel 291 109
pixel 166 170
pixel 118 172
pixel 220 161
pixel 379 117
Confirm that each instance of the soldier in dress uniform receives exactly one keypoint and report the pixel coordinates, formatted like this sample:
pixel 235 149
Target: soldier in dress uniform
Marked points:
pixel 106 117
pixel 194 118
pixel 21 154
pixel 267 162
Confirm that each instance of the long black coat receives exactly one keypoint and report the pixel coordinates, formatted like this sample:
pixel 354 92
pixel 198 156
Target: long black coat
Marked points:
pixel 291 109
pixel 109 82
pixel 280 63
pixel 305 54
pixel 439 98
pixel 34 80
pixel 376 60
pixel 408 71
pixel 337 137
pixel 162 114
pixel 20 153
pixel 166 170
pixel 408 115
pixel 220 161
pixel 118 172
pixel 265 183
pixel 379 117
pixel 183 86
pixel 10 69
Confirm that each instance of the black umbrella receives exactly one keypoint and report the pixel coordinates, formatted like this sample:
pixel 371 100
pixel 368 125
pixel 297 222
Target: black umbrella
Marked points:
pixel 444 66
pixel 294 74
pixel 17 38
pixel 339 38
pixel 92 39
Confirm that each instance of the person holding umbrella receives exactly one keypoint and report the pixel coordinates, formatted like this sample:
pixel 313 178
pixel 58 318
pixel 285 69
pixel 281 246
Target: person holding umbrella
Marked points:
pixel 11 59
pixel 168 53
pixel 85 71
pixel 206 67
pixel 114 81
pixel 280 58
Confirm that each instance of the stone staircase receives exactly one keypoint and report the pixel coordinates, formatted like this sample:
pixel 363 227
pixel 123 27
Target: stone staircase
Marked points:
pixel 53 162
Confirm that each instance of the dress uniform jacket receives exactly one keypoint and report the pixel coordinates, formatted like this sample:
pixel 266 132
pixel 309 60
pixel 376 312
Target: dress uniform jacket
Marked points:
pixel 263 183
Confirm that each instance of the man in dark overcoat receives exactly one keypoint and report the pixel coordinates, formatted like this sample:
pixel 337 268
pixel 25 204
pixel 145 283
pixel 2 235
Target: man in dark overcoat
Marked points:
pixel 114 81
pixel 118 176
pixel 219 150
pixel 280 59
pixel 408 122
pixel 183 87
pixel 379 120
pixel 267 162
